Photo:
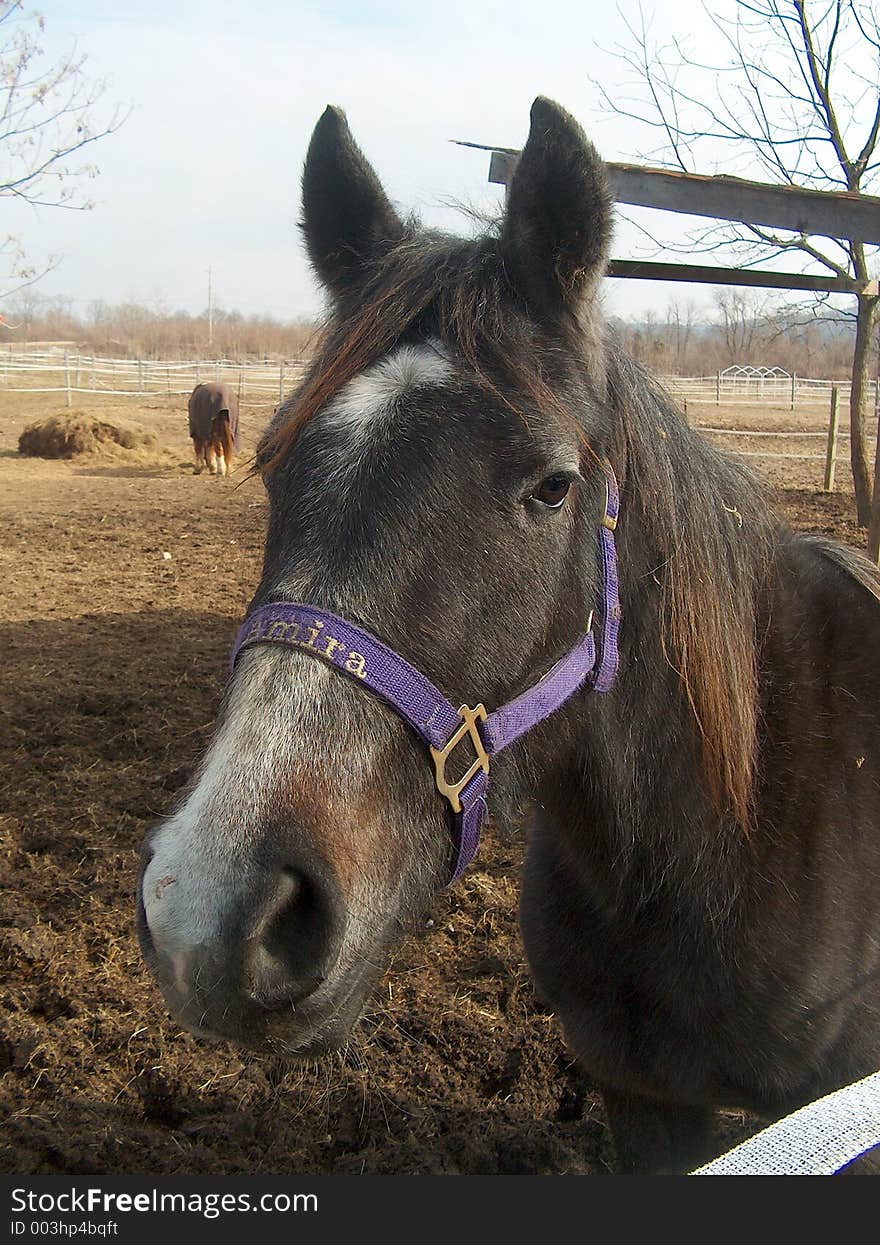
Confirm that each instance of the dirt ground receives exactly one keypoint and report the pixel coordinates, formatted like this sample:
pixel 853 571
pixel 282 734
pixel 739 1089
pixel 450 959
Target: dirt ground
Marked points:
pixel 123 582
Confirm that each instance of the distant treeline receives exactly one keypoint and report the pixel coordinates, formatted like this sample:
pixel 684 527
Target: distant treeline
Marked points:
pixel 686 340
pixel 131 330
pixel 746 328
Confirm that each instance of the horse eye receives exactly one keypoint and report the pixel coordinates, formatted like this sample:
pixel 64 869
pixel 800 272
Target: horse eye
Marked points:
pixel 553 491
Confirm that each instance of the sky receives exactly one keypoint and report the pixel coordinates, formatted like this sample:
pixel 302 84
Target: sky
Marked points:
pixel 204 173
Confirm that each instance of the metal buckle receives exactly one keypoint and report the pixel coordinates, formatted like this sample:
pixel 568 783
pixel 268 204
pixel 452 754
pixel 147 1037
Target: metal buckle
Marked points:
pixel 608 520
pixel 469 719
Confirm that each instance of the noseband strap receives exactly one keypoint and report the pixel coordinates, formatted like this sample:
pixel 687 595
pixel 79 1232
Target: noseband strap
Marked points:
pixel 358 654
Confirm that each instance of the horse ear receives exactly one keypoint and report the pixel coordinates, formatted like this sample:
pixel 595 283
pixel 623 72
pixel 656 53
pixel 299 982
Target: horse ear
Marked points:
pixel 557 226
pixel 346 214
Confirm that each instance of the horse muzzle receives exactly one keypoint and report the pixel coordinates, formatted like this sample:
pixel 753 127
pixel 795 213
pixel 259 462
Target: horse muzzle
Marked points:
pixel 260 963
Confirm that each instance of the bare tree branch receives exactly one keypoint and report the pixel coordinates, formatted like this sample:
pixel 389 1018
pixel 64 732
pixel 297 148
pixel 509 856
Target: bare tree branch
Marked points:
pixel 48 119
pixel 799 100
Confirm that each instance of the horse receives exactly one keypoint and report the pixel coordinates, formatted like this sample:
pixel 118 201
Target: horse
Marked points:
pixel 213 426
pixel 475 494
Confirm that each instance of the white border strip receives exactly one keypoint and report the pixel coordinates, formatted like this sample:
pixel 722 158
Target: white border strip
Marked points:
pixel 817 1140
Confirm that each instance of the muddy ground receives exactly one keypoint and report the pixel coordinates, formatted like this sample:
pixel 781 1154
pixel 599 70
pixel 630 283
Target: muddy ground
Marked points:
pixel 123 581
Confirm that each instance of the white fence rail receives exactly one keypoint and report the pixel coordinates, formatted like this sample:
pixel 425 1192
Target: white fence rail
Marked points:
pixel 69 373
pixel 265 384
pixel 794 392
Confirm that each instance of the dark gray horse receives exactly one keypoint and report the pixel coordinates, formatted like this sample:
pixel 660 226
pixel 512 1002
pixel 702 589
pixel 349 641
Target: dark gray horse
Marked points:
pixel 700 899
pixel 213 426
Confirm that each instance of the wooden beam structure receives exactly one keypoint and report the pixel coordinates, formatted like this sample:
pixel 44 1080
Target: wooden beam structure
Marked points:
pixel 831 214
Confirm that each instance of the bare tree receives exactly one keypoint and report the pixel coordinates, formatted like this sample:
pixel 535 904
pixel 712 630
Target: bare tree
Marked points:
pixel 797 102
pixel 681 318
pixel 47 121
pixel 743 314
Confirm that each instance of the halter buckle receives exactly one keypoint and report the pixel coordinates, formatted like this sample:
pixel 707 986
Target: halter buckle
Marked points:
pixel 469 719
pixel 608 520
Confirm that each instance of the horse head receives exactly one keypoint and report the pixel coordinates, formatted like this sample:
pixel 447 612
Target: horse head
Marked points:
pixel 437 482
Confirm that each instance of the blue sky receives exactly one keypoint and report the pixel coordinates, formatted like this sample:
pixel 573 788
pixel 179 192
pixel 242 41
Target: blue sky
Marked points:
pixel 224 96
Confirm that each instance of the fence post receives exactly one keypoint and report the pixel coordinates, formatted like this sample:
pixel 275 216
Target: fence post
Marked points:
pixel 281 383
pixel 198 371
pixel 718 388
pixel 831 451
pixel 793 389
pixel 240 384
pixel 67 375
pixel 140 376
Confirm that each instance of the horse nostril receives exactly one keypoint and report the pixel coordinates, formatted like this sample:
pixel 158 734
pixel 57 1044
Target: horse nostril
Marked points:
pixel 273 985
pixel 297 941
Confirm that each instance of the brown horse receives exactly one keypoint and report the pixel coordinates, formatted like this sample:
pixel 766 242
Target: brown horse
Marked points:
pixel 701 893
pixel 213 426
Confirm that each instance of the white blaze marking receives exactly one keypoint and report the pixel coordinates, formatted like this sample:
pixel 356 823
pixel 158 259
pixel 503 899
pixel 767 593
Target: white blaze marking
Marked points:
pixel 362 413
pixel 363 405
pixel 282 706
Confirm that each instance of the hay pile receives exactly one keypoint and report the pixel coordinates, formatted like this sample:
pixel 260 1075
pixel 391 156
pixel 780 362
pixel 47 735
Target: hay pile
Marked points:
pixel 67 436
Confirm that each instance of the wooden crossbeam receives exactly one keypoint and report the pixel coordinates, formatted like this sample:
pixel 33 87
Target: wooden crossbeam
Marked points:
pixel 831 214
pixel 643 270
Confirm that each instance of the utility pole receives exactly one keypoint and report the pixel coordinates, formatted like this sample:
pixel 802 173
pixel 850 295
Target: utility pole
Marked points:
pixel 210 309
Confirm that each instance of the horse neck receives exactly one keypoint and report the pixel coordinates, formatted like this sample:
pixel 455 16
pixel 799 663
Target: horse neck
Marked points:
pixel 623 799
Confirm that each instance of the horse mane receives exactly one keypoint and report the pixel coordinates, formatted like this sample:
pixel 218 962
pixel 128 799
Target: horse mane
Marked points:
pixel 709 522
pixel 703 513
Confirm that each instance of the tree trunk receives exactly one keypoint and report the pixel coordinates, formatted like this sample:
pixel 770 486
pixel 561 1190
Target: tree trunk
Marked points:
pixel 867 314
pixel 874 528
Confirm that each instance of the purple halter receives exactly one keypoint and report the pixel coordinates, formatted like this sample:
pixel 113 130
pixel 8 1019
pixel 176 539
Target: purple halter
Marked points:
pixel 355 652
